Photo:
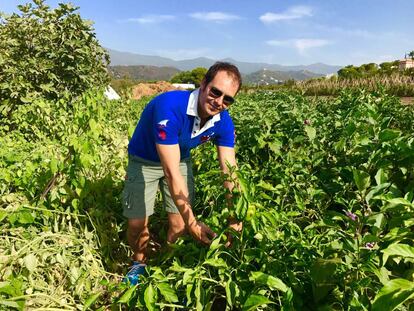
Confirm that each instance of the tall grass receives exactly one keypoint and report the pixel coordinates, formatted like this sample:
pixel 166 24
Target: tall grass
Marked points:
pixel 395 84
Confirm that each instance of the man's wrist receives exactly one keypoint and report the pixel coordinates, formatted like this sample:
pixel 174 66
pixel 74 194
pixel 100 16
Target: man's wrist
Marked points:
pixel 188 216
pixel 192 223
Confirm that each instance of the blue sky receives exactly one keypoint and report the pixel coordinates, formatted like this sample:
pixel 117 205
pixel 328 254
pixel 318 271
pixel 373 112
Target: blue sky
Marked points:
pixel 336 32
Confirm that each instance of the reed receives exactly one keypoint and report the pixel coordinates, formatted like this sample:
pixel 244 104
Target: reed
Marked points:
pixel 395 84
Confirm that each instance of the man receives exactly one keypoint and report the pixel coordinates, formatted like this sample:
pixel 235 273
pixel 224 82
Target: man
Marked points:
pixel 159 151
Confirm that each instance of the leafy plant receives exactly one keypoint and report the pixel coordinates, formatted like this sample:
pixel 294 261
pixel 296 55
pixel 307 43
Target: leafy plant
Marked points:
pixel 49 53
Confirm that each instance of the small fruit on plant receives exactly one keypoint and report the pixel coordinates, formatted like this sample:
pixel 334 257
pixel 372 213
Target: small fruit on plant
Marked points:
pixel 251 211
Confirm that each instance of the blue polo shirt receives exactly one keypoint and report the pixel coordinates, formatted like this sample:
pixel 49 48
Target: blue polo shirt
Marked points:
pixel 171 118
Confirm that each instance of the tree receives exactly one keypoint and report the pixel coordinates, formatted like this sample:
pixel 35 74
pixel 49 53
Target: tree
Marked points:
pixel 194 76
pixel 48 53
pixel 411 54
pixel 349 72
pixel 368 69
pixel 389 67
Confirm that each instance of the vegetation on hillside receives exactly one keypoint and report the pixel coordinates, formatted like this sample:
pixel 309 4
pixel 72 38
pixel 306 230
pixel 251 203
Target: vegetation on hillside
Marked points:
pixel 397 85
pixel 194 76
pixel 143 73
pixel 370 77
pixel 272 77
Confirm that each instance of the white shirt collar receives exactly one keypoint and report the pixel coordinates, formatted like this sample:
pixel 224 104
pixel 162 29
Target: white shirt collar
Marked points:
pixel 192 106
pixel 193 111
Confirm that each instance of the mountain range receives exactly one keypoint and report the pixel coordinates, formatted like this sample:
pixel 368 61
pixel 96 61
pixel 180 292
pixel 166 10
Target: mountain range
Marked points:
pixel 266 77
pixel 128 59
pixel 143 72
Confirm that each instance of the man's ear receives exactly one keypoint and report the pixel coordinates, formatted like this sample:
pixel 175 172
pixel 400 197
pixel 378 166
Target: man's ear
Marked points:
pixel 203 85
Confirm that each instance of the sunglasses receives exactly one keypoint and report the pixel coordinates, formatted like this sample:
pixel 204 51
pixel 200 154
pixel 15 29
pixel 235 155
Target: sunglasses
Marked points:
pixel 216 93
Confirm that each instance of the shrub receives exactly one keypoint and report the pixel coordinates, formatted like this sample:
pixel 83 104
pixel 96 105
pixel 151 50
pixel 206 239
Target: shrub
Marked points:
pixel 51 53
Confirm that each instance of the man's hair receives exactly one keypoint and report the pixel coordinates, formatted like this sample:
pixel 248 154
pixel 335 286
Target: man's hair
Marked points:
pixel 231 70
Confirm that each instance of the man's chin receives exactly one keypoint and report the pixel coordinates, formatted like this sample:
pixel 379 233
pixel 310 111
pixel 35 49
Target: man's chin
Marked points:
pixel 213 112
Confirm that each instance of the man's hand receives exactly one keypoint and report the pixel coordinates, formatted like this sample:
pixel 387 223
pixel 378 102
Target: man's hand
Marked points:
pixel 201 232
pixel 235 225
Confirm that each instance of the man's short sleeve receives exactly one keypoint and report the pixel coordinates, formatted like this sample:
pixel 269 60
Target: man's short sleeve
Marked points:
pixel 166 125
pixel 226 136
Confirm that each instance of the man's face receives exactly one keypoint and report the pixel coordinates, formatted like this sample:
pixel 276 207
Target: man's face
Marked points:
pixel 216 96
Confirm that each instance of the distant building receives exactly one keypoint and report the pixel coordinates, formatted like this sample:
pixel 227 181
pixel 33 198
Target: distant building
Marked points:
pixel 185 86
pixel 406 63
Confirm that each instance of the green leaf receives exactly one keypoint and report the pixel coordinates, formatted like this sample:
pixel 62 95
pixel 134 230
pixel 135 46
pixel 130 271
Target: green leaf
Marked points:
pixel 323 276
pixel 275 146
pixel 265 185
pixel 391 203
pixel 219 262
pixel 30 262
pixel 362 179
pixel 25 217
pixel 268 280
pixel 11 304
pixel 168 293
pixel 255 301
pixel 5 287
pixel 232 292
pixel 149 297
pixel 393 294
pixel 189 291
pixel 377 220
pixel 311 132
pixel 214 245
pixel 199 294
pixel 381 177
pixel 401 250
pixel 91 300
pixel 3 214
pixel 126 297
pixel 388 134
pixel 53 166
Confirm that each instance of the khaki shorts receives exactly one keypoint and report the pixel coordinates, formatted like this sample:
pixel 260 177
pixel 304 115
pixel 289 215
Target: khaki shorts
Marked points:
pixel 141 185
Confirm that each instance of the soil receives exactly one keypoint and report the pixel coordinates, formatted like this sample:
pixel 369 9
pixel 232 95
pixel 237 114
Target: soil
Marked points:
pixel 407 100
pixel 150 89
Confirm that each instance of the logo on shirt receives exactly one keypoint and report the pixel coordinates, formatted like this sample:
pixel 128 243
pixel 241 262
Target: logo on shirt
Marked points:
pixel 206 138
pixel 162 134
pixel 163 123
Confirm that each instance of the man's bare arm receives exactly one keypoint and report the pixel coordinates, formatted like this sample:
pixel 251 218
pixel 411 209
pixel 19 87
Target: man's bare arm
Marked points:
pixel 170 160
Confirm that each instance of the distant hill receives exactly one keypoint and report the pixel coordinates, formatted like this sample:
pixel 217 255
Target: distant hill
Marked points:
pixel 264 76
pixel 126 58
pixel 144 73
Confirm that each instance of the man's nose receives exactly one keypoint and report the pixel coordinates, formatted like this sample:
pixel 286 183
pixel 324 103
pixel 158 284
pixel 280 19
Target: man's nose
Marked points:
pixel 219 102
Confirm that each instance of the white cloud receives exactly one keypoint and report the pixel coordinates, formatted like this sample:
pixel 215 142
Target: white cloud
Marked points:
pixel 150 19
pixel 214 16
pixel 301 45
pixel 279 42
pixel 294 12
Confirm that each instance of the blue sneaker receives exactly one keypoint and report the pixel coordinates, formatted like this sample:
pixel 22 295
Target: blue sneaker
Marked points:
pixel 137 269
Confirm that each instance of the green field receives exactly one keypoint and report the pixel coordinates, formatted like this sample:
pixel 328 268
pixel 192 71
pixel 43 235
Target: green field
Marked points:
pixel 327 189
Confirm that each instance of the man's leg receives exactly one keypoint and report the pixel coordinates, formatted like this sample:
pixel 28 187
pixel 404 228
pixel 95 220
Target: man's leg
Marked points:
pixel 138 238
pixel 141 185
